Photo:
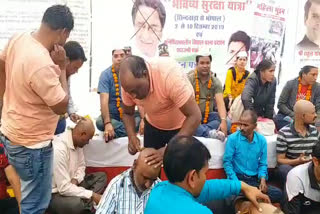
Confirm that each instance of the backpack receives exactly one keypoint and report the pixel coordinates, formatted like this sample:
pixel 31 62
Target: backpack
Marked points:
pixel 234 75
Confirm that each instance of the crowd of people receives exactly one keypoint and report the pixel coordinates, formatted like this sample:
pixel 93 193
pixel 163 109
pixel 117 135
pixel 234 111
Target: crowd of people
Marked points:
pixel 43 160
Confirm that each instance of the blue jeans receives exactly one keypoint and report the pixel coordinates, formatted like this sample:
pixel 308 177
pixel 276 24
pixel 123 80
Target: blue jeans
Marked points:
pixel 213 123
pixel 34 166
pixel 274 193
pixel 283 170
pixel 118 126
pixel 279 121
pixel 61 127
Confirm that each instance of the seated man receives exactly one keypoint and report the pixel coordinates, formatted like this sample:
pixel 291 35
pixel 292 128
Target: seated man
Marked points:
pixel 7 172
pixel 296 140
pixel 128 193
pixel 236 79
pixel 186 164
pixel 303 87
pixel 302 187
pixel 109 88
pixel 72 190
pixel 207 90
pixel 245 156
pixel 76 56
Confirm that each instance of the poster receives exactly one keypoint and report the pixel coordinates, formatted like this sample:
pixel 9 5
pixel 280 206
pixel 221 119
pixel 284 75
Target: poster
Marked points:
pixel 307 43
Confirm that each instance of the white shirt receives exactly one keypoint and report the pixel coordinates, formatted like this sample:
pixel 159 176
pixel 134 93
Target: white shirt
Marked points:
pixel 68 163
pixel 299 181
pixel 120 197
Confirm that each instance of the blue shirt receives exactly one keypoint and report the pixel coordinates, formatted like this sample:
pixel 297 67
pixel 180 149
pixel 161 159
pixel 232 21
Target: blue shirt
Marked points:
pixel 106 85
pixel 169 198
pixel 243 157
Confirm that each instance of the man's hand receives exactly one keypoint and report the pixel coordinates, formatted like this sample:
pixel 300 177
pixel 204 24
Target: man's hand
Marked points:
pixel 223 127
pixel 74 117
pixel 263 186
pixel 108 132
pixel 58 56
pixel 155 158
pixel 303 159
pixel 96 197
pixel 141 127
pixel 74 181
pixel 254 195
pixel 134 145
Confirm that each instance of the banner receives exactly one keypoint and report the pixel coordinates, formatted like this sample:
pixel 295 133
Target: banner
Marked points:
pixel 307 46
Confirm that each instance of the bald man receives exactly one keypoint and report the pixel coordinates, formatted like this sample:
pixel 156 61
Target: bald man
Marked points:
pixel 296 140
pixel 72 190
pixel 248 207
pixel 129 192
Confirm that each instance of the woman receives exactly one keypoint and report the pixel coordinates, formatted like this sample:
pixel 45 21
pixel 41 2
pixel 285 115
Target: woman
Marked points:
pixel 260 90
pixel 236 79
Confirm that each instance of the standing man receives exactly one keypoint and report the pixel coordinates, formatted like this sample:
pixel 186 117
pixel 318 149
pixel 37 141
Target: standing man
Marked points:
pixel 76 57
pixel 109 89
pixel 207 90
pixel 296 140
pixel 34 82
pixel 167 97
pixel 312 22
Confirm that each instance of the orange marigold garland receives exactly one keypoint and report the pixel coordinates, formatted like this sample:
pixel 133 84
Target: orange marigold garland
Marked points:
pixel 116 85
pixel 309 91
pixel 208 98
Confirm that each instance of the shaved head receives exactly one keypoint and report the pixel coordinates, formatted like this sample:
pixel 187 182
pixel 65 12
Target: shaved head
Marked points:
pixel 144 175
pixel 305 112
pixel 83 132
pixel 303 106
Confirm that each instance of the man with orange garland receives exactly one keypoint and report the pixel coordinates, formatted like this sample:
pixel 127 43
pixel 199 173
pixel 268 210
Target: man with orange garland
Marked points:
pixel 109 89
pixel 208 88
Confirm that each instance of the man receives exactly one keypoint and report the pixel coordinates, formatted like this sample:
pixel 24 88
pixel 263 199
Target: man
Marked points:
pixel 109 89
pixel 128 193
pixel 296 140
pixel 166 95
pixel 239 41
pixel 72 190
pixel 163 49
pixel 148 17
pixel 76 57
pixel 304 87
pixel 128 50
pixel 7 172
pixel 312 22
pixel 186 164
pixel 33 66
pixel 245 157
pixel 207 90
pixel 302 187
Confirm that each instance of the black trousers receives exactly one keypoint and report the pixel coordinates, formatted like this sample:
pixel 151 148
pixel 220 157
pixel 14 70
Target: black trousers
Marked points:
pixel 9 206
pixel 157 138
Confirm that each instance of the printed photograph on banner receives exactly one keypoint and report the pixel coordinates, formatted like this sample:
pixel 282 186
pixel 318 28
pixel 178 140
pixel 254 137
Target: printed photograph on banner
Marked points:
pixel 311 23
pixel 148 19
pixel 307 49
pixel 263 49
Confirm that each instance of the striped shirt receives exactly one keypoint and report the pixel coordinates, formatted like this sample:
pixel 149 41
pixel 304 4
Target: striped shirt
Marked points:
pixel 120 197
pixel 293 144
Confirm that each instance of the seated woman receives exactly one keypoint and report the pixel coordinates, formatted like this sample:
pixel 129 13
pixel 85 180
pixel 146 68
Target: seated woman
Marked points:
pixel 260 90
pixel 236 79
pixel 303 87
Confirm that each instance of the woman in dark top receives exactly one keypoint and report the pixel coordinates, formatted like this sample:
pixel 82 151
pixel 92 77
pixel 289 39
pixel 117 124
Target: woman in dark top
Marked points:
pixel 260 90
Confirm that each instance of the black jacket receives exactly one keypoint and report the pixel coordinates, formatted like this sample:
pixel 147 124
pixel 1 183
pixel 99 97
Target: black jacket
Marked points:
pixel 259 97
